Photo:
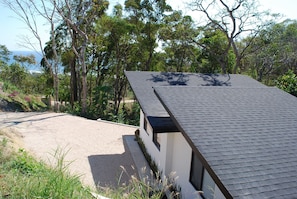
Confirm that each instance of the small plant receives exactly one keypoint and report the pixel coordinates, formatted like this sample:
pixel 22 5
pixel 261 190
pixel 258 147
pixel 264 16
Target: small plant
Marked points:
pixel 25 164
pixel 168 184
pixel 13 94
pixel 4 142
pixel 27 99
pixel 149 159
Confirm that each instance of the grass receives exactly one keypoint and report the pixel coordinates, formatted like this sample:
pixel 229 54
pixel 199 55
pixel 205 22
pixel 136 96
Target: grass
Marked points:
pixel 22 176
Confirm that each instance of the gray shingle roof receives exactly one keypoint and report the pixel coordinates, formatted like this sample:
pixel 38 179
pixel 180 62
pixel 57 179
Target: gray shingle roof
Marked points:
pixel 246 137
pixel 142 83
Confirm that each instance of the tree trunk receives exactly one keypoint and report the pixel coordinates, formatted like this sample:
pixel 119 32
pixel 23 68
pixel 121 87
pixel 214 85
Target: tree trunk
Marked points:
pixel 73 81
pixel 84 78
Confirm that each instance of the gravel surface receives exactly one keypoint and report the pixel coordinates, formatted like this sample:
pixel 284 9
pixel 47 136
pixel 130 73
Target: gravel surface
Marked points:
pixel 97 150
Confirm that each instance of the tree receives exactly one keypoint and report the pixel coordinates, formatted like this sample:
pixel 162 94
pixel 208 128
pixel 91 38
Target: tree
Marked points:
pixel 234 19
pixel 15 74
pixel 213 56
pixel 273 52
pixel 28 11
pixel 78 16
pixel 29 59
pixel 117 42
pixel 4 55
pixel 177 35
pixel 147 16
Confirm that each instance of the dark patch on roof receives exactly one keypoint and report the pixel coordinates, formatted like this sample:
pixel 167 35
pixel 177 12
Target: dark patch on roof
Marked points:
pixel 246 136
pixel 142 84
pixel 171 78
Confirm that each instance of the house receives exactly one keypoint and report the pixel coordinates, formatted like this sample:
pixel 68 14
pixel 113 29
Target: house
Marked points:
pixel 227 136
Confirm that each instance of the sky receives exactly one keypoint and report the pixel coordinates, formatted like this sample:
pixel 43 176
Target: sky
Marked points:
pixel 12 29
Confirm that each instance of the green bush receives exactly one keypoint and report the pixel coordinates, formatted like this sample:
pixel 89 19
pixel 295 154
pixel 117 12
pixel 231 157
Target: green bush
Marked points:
pixel 288 82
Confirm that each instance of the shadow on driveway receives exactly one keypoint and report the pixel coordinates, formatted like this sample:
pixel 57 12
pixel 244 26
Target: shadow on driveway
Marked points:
pixel 114 169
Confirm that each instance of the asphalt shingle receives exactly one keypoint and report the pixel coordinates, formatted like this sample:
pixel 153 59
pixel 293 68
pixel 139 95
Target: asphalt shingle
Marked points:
pixel 142 84
pixel 247 136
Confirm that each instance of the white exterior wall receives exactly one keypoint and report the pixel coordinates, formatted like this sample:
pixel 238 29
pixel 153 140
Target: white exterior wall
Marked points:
pixel 159 156
pixel 181 165
pixel 174 157
pixel 147 138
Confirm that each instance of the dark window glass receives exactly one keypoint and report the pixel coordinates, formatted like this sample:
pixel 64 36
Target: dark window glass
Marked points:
pixel 156 140
pixel 145 125
pixel 196 174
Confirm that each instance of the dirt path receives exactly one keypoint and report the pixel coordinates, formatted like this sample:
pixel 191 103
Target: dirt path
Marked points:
pixel 97 149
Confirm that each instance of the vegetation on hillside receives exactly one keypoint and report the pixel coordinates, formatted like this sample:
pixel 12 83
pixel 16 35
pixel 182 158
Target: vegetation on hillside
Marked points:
pixel 14 99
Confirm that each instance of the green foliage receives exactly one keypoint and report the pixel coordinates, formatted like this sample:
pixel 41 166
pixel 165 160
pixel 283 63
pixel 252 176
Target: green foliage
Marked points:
pixel 24 177
pixel 64 90
pixel 129 114
pixel 19 101
pixel 4 55
pixel 213 57
pixel 147 156
pixel 273 52
pixel 99 107
pixel 288 82
pixel 25 164
pixel 29 59
pixel 15 74
pixel 177 34
pixel 136 189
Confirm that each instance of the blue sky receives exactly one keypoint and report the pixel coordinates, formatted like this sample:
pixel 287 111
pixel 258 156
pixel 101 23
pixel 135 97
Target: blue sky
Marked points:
pixel 12 28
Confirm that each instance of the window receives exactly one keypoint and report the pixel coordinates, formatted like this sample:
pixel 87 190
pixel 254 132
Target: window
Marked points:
pixel 208 186
pixel 196 174
pixel 145 124
pixel 157 139
pixel 201 179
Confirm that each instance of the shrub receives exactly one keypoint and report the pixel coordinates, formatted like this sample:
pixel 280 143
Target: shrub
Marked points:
pixel 288 82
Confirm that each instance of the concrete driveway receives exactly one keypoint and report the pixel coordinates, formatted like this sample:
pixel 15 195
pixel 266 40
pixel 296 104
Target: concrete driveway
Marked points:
pixel 97 150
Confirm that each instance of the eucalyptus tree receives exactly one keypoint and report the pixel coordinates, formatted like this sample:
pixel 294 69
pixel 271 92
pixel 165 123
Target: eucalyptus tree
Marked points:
pixel 115 53
pixel 273 52
pixel 79 15
pixel 147 16
pixel 212 57
pixel 29 59
pixel 177 36
pixel 28 11
pixel 235 19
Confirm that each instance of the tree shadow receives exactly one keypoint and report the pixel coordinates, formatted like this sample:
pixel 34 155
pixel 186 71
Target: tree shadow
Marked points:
pixel 112 170
pixel 190 79
pixel 215 79
pixel 172 78
pixel 25 117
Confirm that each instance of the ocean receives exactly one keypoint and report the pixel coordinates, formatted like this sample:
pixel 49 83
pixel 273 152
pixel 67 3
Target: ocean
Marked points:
pixel 32 68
